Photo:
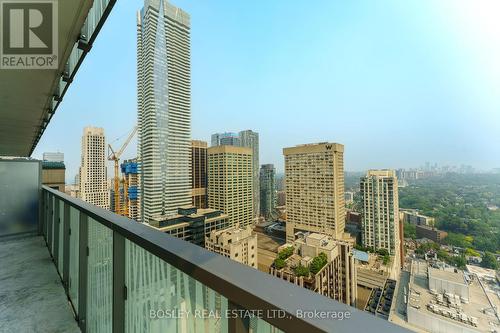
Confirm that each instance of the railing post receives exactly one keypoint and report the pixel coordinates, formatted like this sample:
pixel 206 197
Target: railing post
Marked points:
pixel 57 223
pixel 66 230
pixel 82 276
pixel 236 324
pixel 44 213
pixel 41 211
pixel 46 218
pixel 118 283
pixel 50 225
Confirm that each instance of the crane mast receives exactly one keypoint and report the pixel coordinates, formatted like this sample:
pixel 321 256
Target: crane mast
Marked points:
pixel 115 157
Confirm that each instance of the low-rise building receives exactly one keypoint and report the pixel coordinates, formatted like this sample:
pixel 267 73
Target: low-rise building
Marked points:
pixel 435 235
pixel 445 301
pixel 192 224
pixel 320 263
pixel 237 243
pixel 442 281
pixel 412 216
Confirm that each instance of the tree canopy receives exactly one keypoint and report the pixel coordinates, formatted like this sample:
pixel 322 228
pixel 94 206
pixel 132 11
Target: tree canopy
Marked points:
pixel 463 205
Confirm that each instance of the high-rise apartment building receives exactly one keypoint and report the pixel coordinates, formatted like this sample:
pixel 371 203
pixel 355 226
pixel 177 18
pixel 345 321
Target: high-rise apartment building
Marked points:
pixel 237 243
pixel 93 177
pixel 314 176
pixel 380 216
pixel 268 198
pixel 230 185
pixel 250 139
pixel 164 108
pixel 199 173
pixel 225 139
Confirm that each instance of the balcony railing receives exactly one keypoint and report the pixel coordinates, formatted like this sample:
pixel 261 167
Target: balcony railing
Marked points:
pixel 123 276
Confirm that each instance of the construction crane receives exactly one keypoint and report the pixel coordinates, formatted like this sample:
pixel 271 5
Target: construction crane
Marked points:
pixel 115 156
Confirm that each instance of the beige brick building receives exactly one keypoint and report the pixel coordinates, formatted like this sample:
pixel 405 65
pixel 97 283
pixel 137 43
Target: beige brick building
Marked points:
pixel 314 176
pixel 237 243
pixel 93 177
pixel 337 279
pixel 230 183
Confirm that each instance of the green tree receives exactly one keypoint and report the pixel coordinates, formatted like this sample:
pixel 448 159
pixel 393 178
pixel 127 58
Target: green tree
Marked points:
pixel 489 261
pixel 383 252
pixel 279 263
pixel 285 253
pixel 410 231
pixel 472 252
pixel 443 255
pixel 459 204
pixel 318 263
pixel 301 270
pixel 459 261
pixel 363 248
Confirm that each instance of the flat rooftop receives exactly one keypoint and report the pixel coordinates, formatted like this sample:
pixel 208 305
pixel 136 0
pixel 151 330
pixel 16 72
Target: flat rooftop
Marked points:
pixel 371 279
pixel 420 296
pixel 32 298
pixel 447 275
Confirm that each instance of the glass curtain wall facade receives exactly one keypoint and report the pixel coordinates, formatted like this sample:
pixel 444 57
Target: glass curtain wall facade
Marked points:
pixel 164 108
pixel 250 139
pixel 268 191
pixel 199 173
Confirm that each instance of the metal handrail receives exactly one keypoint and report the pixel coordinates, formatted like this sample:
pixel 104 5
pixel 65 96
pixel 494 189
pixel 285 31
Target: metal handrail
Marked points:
pixel 247 287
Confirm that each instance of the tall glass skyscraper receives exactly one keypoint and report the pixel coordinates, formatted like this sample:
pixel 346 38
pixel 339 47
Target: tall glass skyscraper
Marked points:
pixel 225 139
pixel 164 108
pixel 250 139
pixel 268 191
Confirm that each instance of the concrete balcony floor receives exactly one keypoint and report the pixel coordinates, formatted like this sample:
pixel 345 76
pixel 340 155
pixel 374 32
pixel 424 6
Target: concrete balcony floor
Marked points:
pixel 32 298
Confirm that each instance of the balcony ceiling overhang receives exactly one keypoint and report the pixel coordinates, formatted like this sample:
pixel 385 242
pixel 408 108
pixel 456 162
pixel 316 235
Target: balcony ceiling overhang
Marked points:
pixel 28 98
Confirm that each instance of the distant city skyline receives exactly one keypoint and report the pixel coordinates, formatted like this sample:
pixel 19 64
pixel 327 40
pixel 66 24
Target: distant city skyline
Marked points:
pixel 396 84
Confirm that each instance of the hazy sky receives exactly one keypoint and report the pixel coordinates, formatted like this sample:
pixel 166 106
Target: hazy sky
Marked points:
pixel 397 82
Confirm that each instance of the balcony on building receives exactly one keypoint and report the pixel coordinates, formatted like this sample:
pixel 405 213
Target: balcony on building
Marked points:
pixel 69 266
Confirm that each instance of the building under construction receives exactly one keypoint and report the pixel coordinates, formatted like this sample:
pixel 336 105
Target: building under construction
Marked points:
pixel 131 177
